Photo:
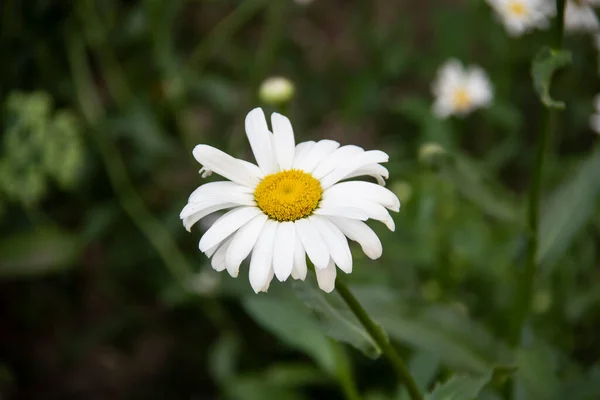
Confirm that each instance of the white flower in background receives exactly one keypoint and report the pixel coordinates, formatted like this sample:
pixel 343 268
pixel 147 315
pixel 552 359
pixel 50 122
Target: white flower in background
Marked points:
pixel 595 118
pixel 291 205
pixel 581 17
pixel 520 16
pixel 276 90
pixel 460 90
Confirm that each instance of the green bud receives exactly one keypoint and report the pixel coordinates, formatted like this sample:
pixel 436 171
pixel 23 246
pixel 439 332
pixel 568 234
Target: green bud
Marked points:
pixel 276 90
pixel 432 154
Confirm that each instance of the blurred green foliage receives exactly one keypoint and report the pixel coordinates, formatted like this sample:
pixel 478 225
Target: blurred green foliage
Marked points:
pixel 105 295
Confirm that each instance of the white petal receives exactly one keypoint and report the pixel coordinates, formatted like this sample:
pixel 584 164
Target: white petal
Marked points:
pixel 241 199
pixel 336 158
pixel 377 171
pixel 218 259
pixel 262 257
pixel 326 277
pixel 373 210
pixel 336 242
pixel 341 211
pixel 300 269
pixel 301 151
pixel 226 225
pixel 283 140
pixel 364 190
pixel 265 288
pixel 205 210
pixel 283 254
pixel 242 243
pixel 229 167
pixel 352 164
pixel 312 242
pixel 211 252
pixel 261 140
pixel 479 86
pixel 317 153
pixel 361 233
pixel 211 188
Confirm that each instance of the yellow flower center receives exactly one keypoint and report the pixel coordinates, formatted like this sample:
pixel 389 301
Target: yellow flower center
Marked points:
pixel 462 99
pixel 517 8
pixel 288 195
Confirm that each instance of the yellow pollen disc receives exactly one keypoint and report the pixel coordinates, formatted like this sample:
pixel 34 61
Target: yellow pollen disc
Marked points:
pixel 288 195
pixel 461 99
pixel 517 8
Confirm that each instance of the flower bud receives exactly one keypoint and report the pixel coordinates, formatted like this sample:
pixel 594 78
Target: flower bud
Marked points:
pixel 431 154
pixel 276 90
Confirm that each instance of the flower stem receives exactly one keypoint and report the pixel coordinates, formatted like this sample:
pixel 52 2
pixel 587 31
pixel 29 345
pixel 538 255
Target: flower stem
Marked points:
pixel 527 278
pixel 381 339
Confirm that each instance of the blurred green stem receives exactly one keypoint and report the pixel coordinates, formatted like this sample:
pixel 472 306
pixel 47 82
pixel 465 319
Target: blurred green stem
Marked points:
pixel 271 36
pixel 527 277
pixel 225 29
pixel 92 110
pixel 378 335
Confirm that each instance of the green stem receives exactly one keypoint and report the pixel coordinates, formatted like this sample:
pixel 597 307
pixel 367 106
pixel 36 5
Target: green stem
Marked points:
pixel 92 110
pixel 381 339
pixel 224 30
pixel 527 277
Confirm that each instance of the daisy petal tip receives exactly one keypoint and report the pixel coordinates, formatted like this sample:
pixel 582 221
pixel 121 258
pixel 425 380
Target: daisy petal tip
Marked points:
pixel 327 288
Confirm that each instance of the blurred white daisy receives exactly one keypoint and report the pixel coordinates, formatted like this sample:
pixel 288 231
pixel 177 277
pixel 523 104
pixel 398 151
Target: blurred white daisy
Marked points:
pixel 595 118
pixel 581 17
pixel 520 16
pixel 291 205
pixel 460 90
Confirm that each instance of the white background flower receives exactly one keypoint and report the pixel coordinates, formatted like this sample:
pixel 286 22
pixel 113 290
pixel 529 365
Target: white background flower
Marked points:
pixel 580 16
pixel 291 205
pixel 520 16
pixel 459 91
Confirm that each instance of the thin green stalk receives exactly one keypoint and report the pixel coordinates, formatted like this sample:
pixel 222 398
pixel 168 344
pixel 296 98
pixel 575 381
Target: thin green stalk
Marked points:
pixel 381 339
pixel 225 29
pixel 271 37
pixel 129 199
pixel 527 277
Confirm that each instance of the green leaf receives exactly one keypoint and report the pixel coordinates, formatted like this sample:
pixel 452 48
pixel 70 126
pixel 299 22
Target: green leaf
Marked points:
pixel 449 334
pixel 42 251
pixel 292 324
pixel 463 387
pixel 545 63
pixel 569 209
pixel 536 376
pixel 423 367
pixel 336 318
pixel 459 388
pixel 474 185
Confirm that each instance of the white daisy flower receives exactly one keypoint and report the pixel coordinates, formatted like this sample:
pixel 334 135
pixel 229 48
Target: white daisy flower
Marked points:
pixel 460 90
pixel 520 16
pixel 581 17
pixel 291 205
pixel 595 118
